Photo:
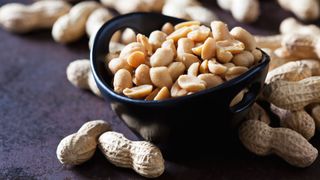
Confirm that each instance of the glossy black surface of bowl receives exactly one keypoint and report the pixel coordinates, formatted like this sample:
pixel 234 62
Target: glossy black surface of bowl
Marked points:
pixel 179 124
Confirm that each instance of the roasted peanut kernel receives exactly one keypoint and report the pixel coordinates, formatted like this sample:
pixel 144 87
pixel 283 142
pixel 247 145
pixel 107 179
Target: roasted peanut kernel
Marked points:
pixel 193 70
pixel 162 94
pixel 237 98
pixel 152 95
pixel 177 91
pixel 200 34
pixel 197 50
pixel 118 63
pixel 234 72
pixel 187 59
pixel 233 46
pixel 244 58
pixel 211 79
pixel 142 75
pixel 128 36
pixel 176 69
pixel 245 37
pixel 178 34
pixel 170 44
pixel 204 67
pixel 220 31
pixel 229 65
pixel 145 43
pixel 122 79
pixel 185 45
pixel 130 48
pixel 208 49
pixel 191 83
pixel 136 58
pixel 186 24
pixel 156 38
pixel 257 54
pixel 216 68
pixel 224 56
pixel 160 77
pixel 162 57
pixel 167 28
pixel 138 92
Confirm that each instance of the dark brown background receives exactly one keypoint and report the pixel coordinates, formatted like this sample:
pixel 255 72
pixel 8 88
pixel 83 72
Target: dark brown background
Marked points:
pixel 38 107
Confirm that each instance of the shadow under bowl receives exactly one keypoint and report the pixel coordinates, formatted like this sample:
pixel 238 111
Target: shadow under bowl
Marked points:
pixel 198 122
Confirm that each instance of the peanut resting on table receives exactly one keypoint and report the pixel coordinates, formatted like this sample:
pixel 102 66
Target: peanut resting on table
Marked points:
pixel 183 59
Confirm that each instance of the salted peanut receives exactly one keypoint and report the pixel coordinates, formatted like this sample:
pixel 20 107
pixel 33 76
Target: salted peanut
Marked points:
pixel 142 75
pixel 122 80
pixel 300 121
pixel 156 38
pixel 114 47
pixel 234 72
pixel 160 77
pixel 229 65
pixel 197 50
pixel 208 49
pixel 128 36
pixel 244 58
pixel 303 9
pixel 136 58
pixel 204 67
pixel 263 140
pixel 258 113
pixel 220 31
pixel 180 33
pixel 177 91
pixel 162 57
pixel 210 79
pixel 167 28
pixel 187 59
pixel 130 48
pixel 170 44
pixel 191 83
pixel 233 46
pixel 245 37
pixel 293 95
pixel 185 45
pixel 216 68
pixel 152 95
pixel 238 98
pixel 315 113
pixel 193 70
pixel 291 71
pixel 186 24
pixel 138 92
pixel 200 34
pixel 257 55
pixel 176 69
pixel 226 49
pixel 162 94
pixel 145 42
pixel 118 63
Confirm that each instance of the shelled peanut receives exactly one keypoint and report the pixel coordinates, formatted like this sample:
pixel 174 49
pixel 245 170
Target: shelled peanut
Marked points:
pixel 188 59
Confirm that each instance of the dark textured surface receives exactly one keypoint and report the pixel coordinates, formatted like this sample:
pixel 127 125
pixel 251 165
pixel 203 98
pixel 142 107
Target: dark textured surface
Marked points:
pixel 38 107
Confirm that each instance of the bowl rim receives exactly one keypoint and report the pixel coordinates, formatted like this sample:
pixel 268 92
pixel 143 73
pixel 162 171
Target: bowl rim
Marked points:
pixel 105 87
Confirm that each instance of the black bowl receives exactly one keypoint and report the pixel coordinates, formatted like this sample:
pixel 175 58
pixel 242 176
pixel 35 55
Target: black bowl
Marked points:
pixel 185 123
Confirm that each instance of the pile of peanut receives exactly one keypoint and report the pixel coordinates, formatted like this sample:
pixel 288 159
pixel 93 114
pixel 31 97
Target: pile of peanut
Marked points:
pixel 182 60
pixel 293 92
pixel 141 156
